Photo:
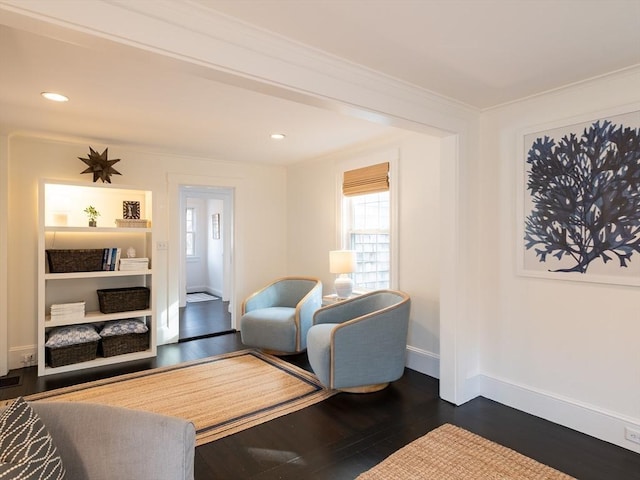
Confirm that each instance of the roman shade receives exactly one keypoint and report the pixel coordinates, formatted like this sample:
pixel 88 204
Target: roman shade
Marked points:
pixel 370 179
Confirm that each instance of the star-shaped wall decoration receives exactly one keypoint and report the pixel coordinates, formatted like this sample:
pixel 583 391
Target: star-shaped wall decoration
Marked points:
pixel 99 165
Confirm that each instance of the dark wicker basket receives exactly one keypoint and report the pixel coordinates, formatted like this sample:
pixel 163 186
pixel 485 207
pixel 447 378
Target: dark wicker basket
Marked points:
pixel 114 300
pixel 80 352
pixel 127 343
pixel 65 261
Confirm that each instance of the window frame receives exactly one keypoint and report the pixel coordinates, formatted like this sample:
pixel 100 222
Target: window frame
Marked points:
pixel 392 157
pixel 191 232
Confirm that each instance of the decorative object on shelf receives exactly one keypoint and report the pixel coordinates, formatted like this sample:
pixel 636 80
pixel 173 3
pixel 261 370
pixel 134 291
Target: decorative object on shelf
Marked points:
pixel 342 262
pixel 124 336
pixel 100 166
pixel 215 226
pixel 113 300
pixel 133 264
pixel 76 260
pixel 132 223
pixel 93 214
pixel 131 252
pixel 130 210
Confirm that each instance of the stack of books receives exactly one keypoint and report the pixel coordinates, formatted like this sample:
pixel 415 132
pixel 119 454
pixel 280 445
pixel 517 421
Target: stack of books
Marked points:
pixel 67 312
pixel 134 263
pixel 110 258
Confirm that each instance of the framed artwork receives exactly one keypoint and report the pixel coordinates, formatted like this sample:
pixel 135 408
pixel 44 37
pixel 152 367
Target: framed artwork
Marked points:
pixel 215 226
pixel 579 193
pixel 130 209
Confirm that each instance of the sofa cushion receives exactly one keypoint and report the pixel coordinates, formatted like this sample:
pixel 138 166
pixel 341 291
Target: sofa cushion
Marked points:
pixel 27 451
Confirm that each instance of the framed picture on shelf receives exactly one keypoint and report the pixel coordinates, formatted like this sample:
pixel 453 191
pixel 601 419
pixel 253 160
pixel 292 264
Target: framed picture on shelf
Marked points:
pixel 579 196
pixel 131 210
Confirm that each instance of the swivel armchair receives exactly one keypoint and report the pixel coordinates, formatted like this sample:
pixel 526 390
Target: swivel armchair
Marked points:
pixel 359 345
pixel 276 318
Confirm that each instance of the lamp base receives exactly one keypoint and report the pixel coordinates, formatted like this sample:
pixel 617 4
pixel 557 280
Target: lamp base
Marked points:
pixel 343 286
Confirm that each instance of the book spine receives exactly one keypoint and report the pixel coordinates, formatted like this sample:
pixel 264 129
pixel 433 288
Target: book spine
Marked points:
pixel 116 264
pixel 105 253
pixel 108 264
pixel 112 265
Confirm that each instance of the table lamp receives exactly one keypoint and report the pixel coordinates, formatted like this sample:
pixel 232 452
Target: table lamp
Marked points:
pixel 342 262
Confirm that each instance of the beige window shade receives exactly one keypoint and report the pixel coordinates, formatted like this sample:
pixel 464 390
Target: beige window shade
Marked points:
pixel 371 179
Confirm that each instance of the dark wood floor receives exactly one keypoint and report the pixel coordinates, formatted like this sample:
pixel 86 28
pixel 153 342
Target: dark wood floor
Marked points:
pixel 201 319
pixel 348 434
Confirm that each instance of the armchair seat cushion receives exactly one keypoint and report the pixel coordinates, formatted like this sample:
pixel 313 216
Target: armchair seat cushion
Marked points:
pixel 272 328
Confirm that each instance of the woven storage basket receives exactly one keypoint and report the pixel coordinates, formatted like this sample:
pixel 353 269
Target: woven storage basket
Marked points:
pixel 114 300
pixel 127 343
pixel 66 261
pixel 80 352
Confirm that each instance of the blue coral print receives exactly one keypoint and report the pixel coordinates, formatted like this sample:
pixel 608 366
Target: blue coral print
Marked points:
pixel 585 195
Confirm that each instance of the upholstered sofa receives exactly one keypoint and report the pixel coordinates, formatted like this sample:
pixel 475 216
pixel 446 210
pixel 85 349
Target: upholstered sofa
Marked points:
pixel 99 442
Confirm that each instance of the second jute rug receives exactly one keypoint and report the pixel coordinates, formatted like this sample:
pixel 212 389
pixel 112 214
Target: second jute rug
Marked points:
pixel 221 395
pixel 452 453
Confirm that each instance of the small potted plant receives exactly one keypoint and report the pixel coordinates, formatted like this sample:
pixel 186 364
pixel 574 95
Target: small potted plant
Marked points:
pixel 93 214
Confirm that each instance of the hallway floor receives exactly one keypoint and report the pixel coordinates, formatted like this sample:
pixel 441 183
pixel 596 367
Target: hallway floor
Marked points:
pixel 202 319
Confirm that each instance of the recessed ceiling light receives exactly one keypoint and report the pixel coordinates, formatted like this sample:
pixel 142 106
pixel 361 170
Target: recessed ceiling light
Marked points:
pixel 277 136
pixel 56 97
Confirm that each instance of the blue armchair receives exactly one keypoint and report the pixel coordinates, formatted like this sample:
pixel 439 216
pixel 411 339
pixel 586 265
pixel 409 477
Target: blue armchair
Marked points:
pixel 359 345
pixel 276 318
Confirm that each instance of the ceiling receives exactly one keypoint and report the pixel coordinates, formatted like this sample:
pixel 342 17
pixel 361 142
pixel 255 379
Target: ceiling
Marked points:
pixel 482 53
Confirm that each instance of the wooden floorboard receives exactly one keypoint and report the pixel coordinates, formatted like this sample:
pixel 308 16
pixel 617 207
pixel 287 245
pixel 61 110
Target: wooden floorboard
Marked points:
pixel 198 319
pixel 349 433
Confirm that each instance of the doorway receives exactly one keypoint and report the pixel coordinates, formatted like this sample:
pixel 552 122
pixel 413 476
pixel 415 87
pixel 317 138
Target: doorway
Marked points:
pixel 205 289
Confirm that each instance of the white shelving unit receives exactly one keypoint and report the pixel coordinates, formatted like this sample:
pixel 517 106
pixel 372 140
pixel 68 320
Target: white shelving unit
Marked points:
pixel 61 226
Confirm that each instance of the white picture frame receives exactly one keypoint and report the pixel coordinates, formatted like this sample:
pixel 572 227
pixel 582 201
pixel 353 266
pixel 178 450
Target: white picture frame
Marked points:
pixel 544 220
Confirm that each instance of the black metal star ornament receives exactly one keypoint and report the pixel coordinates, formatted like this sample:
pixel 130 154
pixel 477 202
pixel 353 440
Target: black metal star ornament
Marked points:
pixel 99 165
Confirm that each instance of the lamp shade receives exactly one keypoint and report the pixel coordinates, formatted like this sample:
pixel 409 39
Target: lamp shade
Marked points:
pixel 342 261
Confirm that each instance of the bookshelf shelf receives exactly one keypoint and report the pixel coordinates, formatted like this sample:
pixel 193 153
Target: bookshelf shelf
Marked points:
pixel 98 274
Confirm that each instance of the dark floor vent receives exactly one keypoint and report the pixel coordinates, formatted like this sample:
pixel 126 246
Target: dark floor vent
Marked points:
pixel 12 381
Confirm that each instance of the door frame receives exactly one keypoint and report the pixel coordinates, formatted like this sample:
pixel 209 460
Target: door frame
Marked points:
pixel 170 330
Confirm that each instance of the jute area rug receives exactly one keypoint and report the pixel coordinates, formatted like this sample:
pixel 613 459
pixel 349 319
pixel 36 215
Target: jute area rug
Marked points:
pixel 452 453
pixel 221 395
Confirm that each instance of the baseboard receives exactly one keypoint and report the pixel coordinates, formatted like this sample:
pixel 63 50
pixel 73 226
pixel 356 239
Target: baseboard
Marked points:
pixel 588 419
pixel 17 355
pixel 423 361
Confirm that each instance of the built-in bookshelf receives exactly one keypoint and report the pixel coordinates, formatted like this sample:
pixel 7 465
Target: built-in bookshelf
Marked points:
pixel 63 225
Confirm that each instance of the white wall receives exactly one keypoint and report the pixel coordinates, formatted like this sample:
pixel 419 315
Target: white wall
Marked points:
pixel 567 351
pixel 4 201
pixel 31 158
pixel 313 192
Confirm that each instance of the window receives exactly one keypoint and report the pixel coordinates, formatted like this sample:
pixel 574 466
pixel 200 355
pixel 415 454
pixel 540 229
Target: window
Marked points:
pixel 190 231
pixel 366 227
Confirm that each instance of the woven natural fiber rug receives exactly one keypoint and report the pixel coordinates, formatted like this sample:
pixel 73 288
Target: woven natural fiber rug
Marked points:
pixel 221 395
pixel 452 453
